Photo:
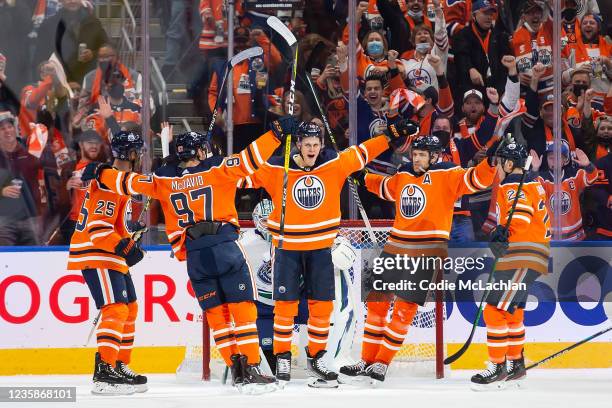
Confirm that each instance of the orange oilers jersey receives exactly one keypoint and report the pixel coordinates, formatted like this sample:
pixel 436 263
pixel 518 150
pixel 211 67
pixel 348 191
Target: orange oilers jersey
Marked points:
pixel 312 214
pixel 424 204
pixel 529 231
pixel 573 184
pixel 202 193
pixel 100 227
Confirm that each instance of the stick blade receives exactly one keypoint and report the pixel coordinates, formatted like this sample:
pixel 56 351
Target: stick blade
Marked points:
pixel 246 54
pixel 281 29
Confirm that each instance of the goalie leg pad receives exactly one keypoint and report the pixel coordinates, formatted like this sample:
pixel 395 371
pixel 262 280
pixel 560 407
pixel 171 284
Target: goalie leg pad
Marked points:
pixel 222 329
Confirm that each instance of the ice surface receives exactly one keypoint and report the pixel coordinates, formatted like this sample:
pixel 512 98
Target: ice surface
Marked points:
pixel 545 388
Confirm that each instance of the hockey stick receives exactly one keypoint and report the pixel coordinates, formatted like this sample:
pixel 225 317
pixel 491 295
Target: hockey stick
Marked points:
pixel 284 32
pixel 235 60
pixel 468 342
pixel 565 350
pixel 351 181
pixel 94 324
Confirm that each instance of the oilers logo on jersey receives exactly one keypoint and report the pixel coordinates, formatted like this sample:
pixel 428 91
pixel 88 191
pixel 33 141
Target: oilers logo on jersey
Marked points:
pixel 566 202
pixel 413 201
pixel 308 192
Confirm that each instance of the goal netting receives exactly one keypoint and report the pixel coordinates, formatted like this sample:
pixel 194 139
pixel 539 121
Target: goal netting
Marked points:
pixel 421 354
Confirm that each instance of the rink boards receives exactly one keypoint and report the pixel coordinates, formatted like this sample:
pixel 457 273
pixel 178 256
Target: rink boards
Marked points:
pixel 46 314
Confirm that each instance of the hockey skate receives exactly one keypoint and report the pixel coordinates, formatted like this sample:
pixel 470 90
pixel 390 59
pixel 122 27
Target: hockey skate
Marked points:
pixel 236 370
pixel 139 381
pixel 283 368
pixel 254 382
pixel 490 379
pixel 354 373
pixel 107 381
pixel 321 376
pixel 516 373
pixel 377 373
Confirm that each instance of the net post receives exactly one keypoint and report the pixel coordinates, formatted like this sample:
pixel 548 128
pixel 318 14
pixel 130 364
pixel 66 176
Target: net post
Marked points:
pixel 439 308
pixel 205 348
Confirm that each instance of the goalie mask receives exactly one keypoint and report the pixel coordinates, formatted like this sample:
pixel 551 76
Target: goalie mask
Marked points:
pixel 260 218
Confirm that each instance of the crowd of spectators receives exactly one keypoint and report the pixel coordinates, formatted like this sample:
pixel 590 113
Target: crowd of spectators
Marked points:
pixel 469 71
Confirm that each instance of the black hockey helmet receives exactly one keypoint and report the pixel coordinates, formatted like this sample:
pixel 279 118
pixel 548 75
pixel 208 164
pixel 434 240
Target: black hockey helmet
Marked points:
pixel 430 143
pixel 309 129
pixel 188 143
pixel 513 151
pixel 124 142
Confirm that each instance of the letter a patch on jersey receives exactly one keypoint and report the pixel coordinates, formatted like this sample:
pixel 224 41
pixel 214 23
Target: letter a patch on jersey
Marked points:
pixel 427 179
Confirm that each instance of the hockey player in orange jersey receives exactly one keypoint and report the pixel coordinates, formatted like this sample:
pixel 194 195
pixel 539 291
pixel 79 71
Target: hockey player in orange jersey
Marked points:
pixel 103 249
pixel 197 197
pixel 424 192
pixel 522 253
pixel 312 219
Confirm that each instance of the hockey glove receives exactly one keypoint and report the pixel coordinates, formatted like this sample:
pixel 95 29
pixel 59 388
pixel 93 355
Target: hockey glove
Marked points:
pixel 498 241
pixel 286 125
pixel 138 229
pixel 491 153
pixel 404 128
pixel 92 170
pixel 359 177
pixel 130 250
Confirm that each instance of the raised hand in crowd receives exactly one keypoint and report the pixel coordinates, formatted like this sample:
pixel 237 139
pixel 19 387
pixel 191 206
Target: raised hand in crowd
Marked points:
pixel 104 108
pixel 329 72
pixel 509 62
pixel 342 52
pixel 536 74
pixel 583 103
pixel 493 95
pixel 536 161
pixel 475 77
pixel 436 62
pixel 581 159
pixel 392 59
pixel 362 8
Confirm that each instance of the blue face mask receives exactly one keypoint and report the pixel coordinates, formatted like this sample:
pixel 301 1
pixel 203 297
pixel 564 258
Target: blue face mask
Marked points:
pixel 375 48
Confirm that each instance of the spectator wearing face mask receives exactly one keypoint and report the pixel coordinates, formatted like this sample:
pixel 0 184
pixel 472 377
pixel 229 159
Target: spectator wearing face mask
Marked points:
pixel 591 53
pixel 418 72
pixel 569 22
pixel 598 136
pixel 538 121
pixel 371 53
pixel 99 81
pixel 478 49
pixel 574 179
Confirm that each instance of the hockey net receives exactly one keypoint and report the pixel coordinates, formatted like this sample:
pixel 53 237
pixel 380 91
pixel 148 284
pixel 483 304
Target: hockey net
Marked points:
pixel 422 353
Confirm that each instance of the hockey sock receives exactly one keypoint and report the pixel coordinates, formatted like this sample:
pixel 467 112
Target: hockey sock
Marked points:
pixel 245 330
pixel 497 333
pixel 516 334
pixel 109 332
pixel 127 338
pixel 319 314
pixel 220 324
pixel 396 330
pixel 373 330
pixel 284 315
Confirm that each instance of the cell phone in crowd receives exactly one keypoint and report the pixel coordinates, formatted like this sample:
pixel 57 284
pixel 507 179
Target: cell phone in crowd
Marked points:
pixel 82 48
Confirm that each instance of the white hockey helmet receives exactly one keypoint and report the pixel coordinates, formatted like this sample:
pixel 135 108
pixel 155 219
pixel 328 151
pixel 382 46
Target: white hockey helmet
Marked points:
pixel 343 253
pixel 262 211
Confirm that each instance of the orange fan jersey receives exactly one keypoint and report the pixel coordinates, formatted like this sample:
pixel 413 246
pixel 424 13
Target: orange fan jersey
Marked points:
pixel 312 213
pixel 202 193
pixel 424 204
pixel 574 183
pixel 529 231
pixel 100 227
